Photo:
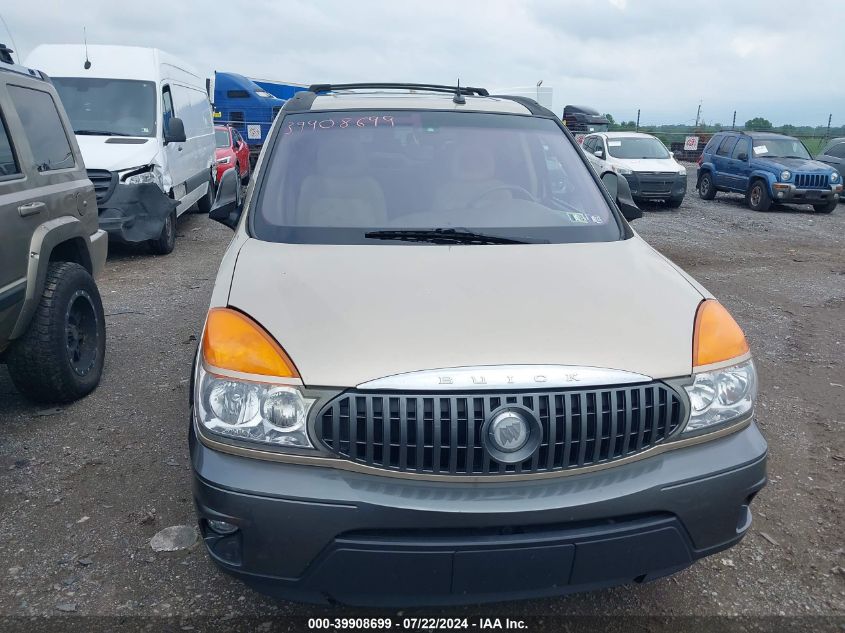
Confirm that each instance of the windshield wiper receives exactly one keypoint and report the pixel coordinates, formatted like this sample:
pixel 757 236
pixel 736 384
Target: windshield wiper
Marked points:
pixel 446 236
pixel 99 133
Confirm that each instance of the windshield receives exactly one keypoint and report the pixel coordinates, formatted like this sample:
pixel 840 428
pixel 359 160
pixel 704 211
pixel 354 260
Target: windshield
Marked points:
pixel 356 177
pixel 636 148
pixel 118 107
pixel 221 137
pixel 780 148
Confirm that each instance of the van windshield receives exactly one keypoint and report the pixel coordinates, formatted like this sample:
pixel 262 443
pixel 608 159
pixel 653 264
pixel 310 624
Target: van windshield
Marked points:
pixel 358 177
pixel 109 107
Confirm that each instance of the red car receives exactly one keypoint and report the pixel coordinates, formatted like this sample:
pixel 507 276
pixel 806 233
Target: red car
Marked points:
pixel 232 151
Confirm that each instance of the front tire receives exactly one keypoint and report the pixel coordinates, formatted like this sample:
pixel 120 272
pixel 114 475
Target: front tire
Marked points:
pixel 827 207
pixel 706 188
pixel 758 196
pixel 166 242
pixel 61 355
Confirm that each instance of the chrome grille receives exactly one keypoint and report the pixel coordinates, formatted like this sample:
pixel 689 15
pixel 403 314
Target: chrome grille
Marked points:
pixel 104 183
pixel 812 181
pixel 442 432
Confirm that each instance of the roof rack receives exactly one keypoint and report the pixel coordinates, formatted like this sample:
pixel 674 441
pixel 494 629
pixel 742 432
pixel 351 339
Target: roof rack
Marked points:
pixel 466 90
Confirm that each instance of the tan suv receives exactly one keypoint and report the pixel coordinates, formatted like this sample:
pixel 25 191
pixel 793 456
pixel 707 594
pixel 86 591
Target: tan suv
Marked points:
pixel 52 330
pixel 439 365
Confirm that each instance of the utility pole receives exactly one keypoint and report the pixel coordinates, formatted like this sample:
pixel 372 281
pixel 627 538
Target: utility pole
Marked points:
pixel 638 119
pixel 539 83
pixel 829 120
pixel 733 125
pixel 698 115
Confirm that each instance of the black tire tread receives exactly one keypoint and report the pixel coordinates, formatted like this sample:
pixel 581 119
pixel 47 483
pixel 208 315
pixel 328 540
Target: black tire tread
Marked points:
pixel 31 359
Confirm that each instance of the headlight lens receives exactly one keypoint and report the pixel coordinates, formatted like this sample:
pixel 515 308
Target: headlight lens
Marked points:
pixel 224 161
pixel 721 395
pixel 682 171
pixel 785 175
pixel 259 412
pixel 141 175
pixel 624 171
pixel 834 177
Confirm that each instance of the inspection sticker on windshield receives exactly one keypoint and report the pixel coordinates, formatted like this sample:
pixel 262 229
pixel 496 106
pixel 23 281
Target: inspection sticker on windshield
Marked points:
pixel 597 219
pixel 761 149
pixel 580 218
pixel 615 143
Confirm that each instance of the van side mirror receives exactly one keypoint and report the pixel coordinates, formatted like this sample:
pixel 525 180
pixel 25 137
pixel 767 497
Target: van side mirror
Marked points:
pixel 175 132
pixel 619 190
pixel 599 153
pixel 227 205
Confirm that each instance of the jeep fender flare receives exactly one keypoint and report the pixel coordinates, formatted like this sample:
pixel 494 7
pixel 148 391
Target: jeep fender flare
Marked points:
pixel 706 167
pixel 45 239
pixel 765 176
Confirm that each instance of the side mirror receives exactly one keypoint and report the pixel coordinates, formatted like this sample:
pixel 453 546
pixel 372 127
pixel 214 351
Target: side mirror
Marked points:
pixel 599 153
pixel 672 154
pixel 619 190
pixel 227 203
pixel 742 156
pixel 175 132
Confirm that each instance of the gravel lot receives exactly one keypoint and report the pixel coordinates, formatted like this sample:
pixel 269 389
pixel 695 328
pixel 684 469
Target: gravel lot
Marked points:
pixel 83 488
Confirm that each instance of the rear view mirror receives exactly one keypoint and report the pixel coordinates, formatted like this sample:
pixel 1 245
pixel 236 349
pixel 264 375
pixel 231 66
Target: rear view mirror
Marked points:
pixel 621 193
pixel 227 203
pixel 175 132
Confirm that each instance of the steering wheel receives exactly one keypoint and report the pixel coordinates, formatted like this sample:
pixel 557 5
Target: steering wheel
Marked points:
pixel 524 194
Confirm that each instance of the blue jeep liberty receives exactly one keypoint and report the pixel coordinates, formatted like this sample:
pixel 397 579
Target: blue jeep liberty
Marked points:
pixel 767 168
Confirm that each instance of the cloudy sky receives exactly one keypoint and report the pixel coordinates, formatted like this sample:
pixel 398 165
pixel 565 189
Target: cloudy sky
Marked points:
pixel 760 57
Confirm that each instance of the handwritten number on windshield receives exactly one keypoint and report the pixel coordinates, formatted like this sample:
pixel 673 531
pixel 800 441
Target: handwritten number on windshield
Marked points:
pixel 343 123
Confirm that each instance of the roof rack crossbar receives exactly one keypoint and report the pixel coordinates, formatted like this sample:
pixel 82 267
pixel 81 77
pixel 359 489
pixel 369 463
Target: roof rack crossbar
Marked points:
pixel 467 90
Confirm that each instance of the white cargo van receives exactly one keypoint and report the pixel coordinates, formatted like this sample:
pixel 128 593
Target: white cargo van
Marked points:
pixel 143 121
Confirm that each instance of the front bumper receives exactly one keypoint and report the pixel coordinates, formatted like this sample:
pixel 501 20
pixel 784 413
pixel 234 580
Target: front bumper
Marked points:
pixel 135 213
pixel 786 192
pixel 321 534
pixel 647 185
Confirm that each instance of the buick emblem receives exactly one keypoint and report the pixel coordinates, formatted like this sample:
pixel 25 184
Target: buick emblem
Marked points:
pixel 508 431
pixel 511 434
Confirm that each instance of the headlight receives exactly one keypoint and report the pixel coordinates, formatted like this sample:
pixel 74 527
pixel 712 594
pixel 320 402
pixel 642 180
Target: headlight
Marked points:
pixel 682 171
pixel 721 396
pixel 785 175
pixel 834 177
pixel 140 175
pixel 622 171
pixel 224 161
pixel 252 411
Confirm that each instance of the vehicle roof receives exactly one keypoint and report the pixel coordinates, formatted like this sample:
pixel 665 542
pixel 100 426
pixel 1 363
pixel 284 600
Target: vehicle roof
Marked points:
pixel 753 134
pixel 108 61
pixel 401 100
pixel 21 70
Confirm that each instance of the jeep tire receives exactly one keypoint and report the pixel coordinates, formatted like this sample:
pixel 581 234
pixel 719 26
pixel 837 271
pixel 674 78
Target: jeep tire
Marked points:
pixel 758 196
pixel 165 243
pixel 60 357
pixel 827 207
pixel 706 188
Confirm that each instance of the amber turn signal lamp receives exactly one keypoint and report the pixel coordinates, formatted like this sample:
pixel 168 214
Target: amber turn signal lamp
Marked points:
pixel 716 336
pixel 234 341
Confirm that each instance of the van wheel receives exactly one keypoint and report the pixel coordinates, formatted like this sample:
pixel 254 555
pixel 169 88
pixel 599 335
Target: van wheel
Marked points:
pixel 758 196
pixel 828 207
pixel 706 188
pixel 60 357
pixel 165 242
pixel 204 203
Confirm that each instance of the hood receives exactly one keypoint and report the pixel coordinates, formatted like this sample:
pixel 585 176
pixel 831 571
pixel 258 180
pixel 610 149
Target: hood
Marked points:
pixel 116 153
pixel 795 165
pixel 649 164
pixel 349 314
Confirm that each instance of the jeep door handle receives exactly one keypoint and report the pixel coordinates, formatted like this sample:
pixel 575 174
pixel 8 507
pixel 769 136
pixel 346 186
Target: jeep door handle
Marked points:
pixel 31 208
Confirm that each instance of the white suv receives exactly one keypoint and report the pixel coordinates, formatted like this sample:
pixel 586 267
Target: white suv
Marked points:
pixel 650 169
pixel 414 385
